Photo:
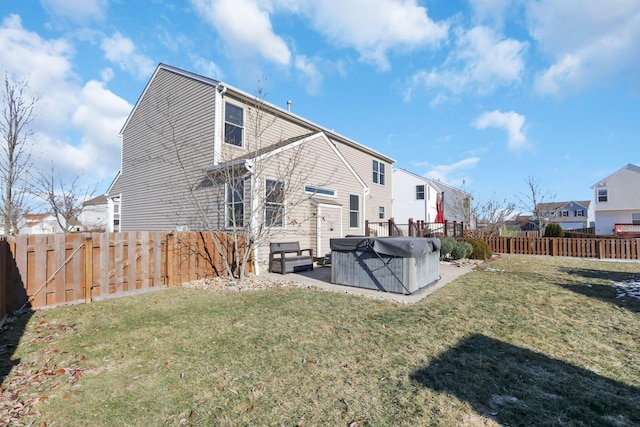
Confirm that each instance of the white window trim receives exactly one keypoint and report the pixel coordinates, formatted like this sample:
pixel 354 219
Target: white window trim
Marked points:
pixel 359 213
pixel 227 226
pixel 605 194
pixel 376 174
pixel 224 120
pixel 381 212
pixel 284 204
pixel 424 190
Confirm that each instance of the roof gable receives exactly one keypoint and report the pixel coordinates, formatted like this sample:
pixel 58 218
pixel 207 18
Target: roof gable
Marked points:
pixel 245 96
pixel 629 167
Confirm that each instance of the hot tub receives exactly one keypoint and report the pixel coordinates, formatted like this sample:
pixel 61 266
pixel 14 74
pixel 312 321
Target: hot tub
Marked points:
pixel 390 264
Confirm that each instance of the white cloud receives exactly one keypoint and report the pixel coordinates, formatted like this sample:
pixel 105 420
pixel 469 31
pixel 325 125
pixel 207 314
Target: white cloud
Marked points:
pixel 453 174
pixel 588 41
pixel 207 68
pixel 375 28
pixel 310 74
pixel 45 65
pixel 100 117
pixel 480 62
pixel 511 121
pixel 492 11
pixel 66 108
pixel 77 11
pixel 245 28
pixel 121 51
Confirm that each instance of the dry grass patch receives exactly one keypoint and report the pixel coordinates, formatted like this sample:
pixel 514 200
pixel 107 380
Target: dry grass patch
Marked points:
pixel 530 341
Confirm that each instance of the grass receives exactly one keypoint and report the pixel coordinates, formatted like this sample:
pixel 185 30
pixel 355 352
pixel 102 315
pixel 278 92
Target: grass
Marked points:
pixel 530 341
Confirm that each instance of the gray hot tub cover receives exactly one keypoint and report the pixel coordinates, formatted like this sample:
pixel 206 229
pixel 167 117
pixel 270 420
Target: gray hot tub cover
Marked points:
pixel 405 247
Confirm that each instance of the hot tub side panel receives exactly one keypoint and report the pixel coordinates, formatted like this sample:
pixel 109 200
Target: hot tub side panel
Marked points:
pixel 366 269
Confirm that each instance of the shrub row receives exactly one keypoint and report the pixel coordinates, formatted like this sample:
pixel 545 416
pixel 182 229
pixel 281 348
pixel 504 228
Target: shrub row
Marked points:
pixel 474 248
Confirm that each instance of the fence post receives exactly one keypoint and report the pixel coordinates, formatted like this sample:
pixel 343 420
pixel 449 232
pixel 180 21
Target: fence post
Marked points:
pixel 366 227
pixel 411 230
pixel 88 269
pixel 169 259
pixel 599 249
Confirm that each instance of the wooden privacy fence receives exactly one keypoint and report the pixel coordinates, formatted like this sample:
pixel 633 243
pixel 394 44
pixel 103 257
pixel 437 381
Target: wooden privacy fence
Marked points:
pixel 570 247
pixel 59 269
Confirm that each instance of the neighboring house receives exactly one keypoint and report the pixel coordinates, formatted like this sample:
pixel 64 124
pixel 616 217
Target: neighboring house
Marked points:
pixel 94 215
pixel 191 137
pixel 415 197
pixel 570 215
pixel 39 224
pixel 617 200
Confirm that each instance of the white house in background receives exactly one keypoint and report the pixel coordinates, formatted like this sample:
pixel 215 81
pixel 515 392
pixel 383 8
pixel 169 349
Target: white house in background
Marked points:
pixel 95 214
pixel 570 215
pixel 617 199
pixel 39 224
pixel 415 197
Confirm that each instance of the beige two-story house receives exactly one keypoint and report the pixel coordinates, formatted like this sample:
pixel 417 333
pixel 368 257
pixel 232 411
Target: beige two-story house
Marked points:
pixel 199 154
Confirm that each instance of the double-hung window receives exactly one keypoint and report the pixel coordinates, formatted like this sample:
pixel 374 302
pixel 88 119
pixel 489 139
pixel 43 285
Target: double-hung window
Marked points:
pixel 233 124
pixel 378 172
pixel 235 204
pixel 354 211
pixel 635 218
pixel 419 192
pixel 603 195
pixel 380 212
pixel 274 203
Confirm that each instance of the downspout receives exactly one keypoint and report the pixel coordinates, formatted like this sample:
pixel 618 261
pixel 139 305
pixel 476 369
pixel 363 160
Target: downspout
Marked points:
pixel 218 123
pixel 367 191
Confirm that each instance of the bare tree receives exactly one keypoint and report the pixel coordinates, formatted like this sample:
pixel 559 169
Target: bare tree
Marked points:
pixel 15 156
pixel 65 199
pixel 491 216
pixel 532 201
pixel 249 198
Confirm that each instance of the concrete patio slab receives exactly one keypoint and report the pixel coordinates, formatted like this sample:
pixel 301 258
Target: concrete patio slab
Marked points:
pixel 320 277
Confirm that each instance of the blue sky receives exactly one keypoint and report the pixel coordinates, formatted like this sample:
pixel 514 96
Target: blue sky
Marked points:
pixel 480 94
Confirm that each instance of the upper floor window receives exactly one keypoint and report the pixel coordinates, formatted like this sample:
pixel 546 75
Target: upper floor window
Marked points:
pixel 274 203
pixel 580 212
pixel 603 195
pixel 116 208
pixel 378 172
pixel 381 212
pixel 635 218
pixel 233 124
pixel 565 213
pixel 419 192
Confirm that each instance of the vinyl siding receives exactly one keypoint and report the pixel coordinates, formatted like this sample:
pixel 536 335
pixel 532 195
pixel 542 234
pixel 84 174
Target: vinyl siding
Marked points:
pixel 623 188
pixel 380 195
pixel 262 128
pixel 176 115
pixel 318 166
